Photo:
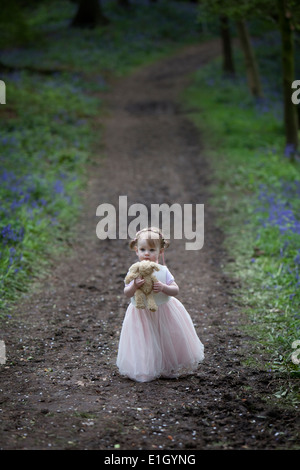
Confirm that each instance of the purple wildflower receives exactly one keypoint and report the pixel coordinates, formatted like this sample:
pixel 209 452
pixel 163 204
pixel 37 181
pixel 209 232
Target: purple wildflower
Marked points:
pixel 290 150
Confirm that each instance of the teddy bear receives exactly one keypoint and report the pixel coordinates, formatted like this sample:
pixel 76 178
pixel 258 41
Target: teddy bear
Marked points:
pixel 143 295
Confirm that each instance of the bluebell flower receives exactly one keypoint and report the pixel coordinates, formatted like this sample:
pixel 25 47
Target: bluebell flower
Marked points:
pixel 297 258
pixel 290 150
pixel 58 187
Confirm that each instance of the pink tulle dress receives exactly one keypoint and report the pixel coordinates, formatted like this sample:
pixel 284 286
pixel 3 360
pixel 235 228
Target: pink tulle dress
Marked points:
pixel 158 344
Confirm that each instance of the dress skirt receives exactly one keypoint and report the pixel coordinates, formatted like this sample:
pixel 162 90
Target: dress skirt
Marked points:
pixel 158 344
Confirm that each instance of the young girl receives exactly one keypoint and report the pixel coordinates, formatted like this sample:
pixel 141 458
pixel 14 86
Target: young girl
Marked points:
pixel 162 343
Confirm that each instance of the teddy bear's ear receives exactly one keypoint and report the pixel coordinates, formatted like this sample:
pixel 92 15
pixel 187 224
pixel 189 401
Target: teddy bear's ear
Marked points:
pixel 154 265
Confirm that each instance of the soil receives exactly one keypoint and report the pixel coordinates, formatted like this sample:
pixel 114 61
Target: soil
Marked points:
pixel 60 388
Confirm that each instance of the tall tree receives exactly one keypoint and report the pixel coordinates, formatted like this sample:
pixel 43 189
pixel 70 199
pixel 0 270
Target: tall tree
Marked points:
pixel 250 60
pixel 286 14
pixel 89 15
pixel 237 11
pixel 288 76
pixel 124 3
pixel 228 61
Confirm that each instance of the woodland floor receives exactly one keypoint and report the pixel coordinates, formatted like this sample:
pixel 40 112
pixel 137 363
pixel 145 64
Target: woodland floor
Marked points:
pixel 60 388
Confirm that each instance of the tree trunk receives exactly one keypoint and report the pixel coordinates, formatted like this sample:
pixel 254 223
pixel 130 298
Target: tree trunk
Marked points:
pixel 250 61
pixel 89 15
pixel 288 76
pixel 228 63
pixel 124 3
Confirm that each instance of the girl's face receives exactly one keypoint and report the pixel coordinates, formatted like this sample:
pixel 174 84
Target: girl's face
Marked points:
pixel 145 251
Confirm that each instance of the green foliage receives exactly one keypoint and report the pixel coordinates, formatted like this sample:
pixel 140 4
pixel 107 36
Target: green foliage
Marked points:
pixel 264 10
pixel 43 151
pixel 236 9
pixel 14 27
pixel 256 197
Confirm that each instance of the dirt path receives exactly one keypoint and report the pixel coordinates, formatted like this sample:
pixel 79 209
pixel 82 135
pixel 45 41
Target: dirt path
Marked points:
pixel 60 388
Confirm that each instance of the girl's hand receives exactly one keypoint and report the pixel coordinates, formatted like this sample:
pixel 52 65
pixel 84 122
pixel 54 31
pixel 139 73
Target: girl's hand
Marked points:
pixel 158 286
pixel 130 290
pixel 139 282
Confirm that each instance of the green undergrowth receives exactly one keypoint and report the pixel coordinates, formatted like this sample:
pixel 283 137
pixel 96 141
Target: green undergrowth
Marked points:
pixel 44 150
pixel 130 39
pixel 256 195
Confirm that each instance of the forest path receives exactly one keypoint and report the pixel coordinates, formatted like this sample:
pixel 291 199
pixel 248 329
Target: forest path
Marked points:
pixel 60 386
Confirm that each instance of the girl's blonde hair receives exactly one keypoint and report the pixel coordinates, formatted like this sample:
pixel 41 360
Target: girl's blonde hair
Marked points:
pixel 160 242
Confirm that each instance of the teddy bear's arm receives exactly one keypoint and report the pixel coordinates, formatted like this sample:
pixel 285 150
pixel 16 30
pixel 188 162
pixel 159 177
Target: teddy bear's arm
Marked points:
pixel 130 277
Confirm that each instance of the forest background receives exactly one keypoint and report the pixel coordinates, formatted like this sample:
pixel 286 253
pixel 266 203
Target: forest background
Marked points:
pixel 55 56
